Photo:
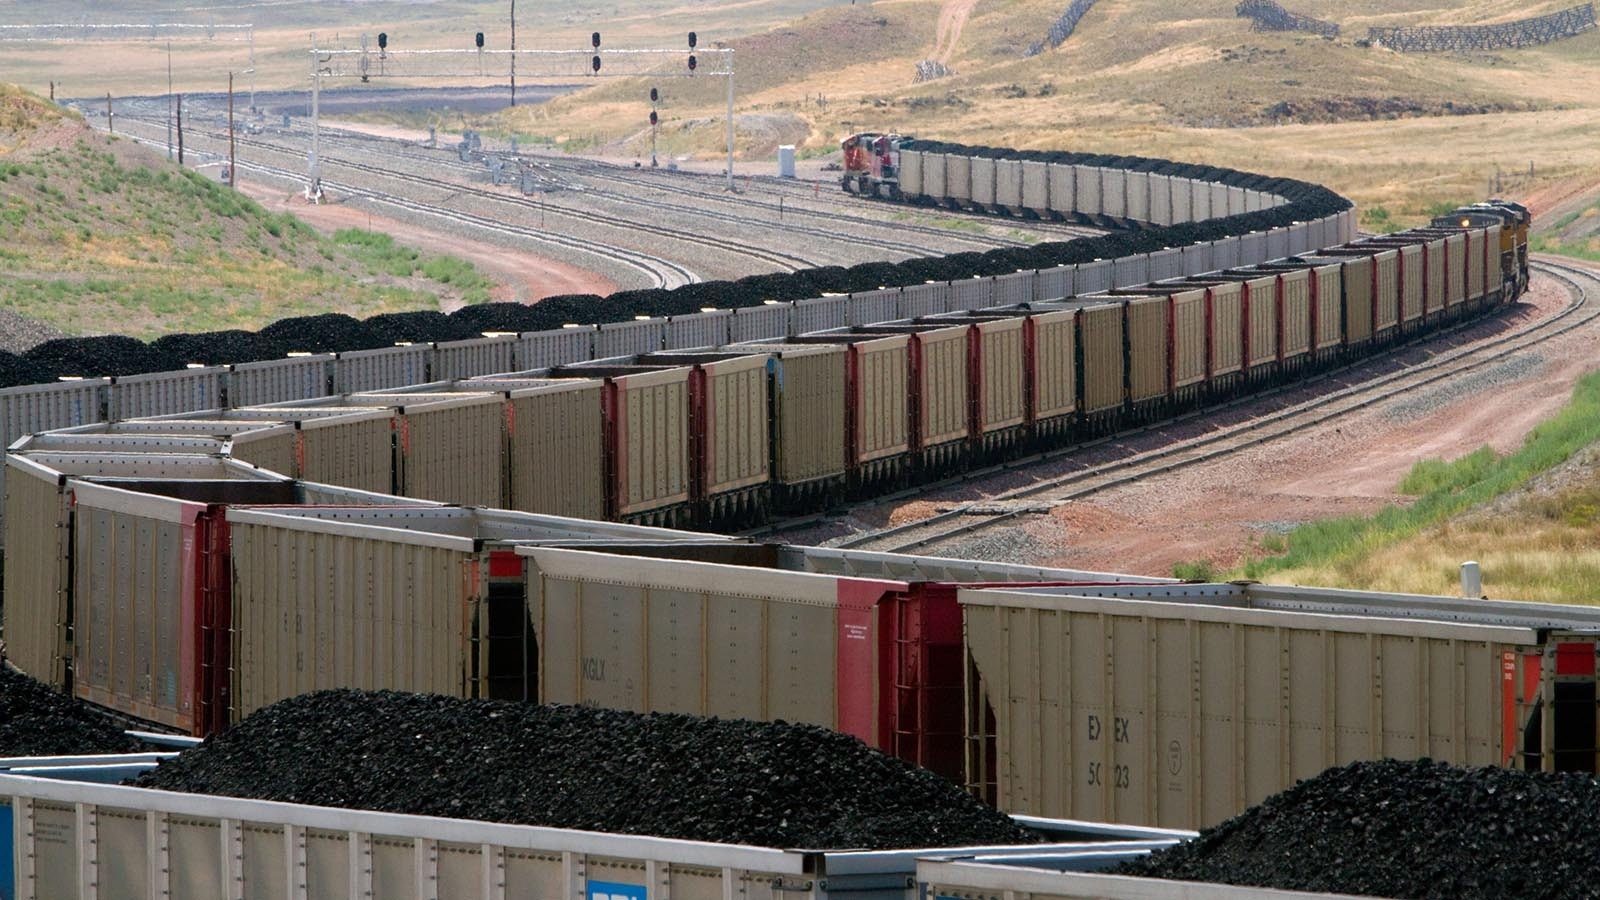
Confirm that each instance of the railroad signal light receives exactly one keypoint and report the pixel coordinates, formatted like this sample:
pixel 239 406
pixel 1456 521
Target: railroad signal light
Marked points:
pixel 692 62
pixel 596 63
pixel 693 39
pixel 383 40
pixel 652 117
pixel 478 39
pixel 595 40
pixel 655 95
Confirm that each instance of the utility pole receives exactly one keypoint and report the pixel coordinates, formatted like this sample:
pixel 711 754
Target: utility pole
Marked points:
pixel 513 53
pixel 180 129
pixel 233 170
pixel 111 123
pixel 169 100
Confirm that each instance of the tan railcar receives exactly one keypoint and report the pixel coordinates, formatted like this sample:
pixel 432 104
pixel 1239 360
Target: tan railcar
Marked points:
pixel 451 446
pixel 1149 352
pixel 1295 289
pixel 1182 705
pixel 1100 332
pixel 1055 368
pixel 1387 299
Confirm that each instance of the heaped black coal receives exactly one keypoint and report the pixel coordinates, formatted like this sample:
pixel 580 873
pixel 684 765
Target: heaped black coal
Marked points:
pixel 733 781
pixel 99 356
pixel 214 348
pixel 1407 829
pixel 327 333
pixel 37 721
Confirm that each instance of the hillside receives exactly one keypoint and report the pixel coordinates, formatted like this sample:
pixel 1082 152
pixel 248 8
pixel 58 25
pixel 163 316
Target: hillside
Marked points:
pixel 1192 82
pixel 106 236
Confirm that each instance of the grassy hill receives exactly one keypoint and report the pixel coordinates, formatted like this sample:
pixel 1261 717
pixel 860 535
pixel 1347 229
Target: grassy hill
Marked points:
pixel 106 236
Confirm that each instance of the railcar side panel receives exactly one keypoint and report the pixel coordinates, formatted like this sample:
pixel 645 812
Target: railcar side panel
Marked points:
pixel 319 606
pixel 1002 368
pixel 1227 328
pixel 941 360
pixel 1036 177
pixel 734 430
pixel 556 451
pixel 352 450
pixel 1411 284
pixel 881 409
pixel 1295 288
pixel 1261 296
pixel 1101 342
pixel 37 573
pixel 1054 371
pixel 1149 356
pixel 1188 338
pixel 649 440
pixel 1387 266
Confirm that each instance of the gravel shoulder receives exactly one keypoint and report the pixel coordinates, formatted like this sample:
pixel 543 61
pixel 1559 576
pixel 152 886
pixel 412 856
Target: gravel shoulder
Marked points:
pixel 1222 510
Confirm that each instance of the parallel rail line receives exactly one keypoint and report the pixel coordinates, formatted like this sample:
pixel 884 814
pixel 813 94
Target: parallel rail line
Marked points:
pixel 969 517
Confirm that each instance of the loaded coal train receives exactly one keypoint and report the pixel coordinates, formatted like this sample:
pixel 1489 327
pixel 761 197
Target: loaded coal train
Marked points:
pixel 170 553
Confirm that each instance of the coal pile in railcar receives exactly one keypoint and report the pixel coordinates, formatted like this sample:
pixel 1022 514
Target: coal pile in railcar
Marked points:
pixel 37 721
pixel 483 317
pixel 1406 829
pixel 18 370
pixel 213 348
pixel 326 333
pixel 678 776
pixel 419 327
pixel 101 355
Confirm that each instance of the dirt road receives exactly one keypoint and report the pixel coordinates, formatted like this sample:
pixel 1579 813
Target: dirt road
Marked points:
pixel 952 19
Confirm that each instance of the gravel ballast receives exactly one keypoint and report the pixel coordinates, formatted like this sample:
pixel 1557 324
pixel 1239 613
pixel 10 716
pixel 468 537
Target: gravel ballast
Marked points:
pixel 676 776
pixel 37 721
pixel 1406 829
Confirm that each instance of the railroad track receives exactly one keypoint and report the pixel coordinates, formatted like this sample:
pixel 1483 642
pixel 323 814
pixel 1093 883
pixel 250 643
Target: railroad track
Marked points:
pixel 715 192
pixel 967 518
pixel 662 272
pixel 781 260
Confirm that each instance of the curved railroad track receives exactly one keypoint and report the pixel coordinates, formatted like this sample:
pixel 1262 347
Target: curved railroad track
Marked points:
pixel 715 192
pixel 777 259
pixel 661 272
pixel 966 518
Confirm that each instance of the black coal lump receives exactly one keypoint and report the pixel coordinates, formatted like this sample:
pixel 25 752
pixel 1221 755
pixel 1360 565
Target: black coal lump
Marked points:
pixel 420 326
pixel 770 784
pixel 38 721
pixel 111 354
pixel 213 348
pixel 17 370
pixel 1405 829
pixel 505 316
pixel 325 333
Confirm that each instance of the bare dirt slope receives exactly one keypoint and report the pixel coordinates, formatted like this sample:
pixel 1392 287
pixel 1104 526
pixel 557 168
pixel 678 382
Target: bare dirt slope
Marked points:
pixel 1220 511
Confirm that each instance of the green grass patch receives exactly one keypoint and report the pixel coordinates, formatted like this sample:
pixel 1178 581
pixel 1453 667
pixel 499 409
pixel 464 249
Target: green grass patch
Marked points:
pixel 1199 570
pixel 1444 489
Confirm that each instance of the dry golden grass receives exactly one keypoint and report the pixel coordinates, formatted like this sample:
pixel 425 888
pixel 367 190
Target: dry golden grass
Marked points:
pixel 1140 76
pixel 1524 555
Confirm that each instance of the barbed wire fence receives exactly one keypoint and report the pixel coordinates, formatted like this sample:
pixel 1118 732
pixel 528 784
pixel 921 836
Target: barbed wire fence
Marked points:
pixel 1504 36
pixel 1269 16
pixel 1062 28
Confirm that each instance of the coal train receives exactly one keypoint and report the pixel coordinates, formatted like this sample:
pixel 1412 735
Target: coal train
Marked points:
pixel 186 547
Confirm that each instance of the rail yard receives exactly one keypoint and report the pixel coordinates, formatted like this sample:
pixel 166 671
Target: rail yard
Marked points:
pixel 499 518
